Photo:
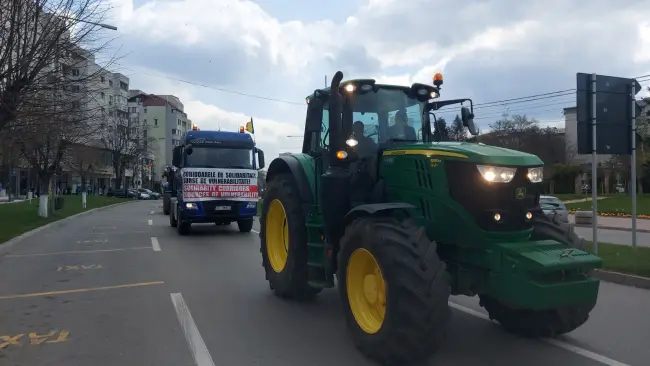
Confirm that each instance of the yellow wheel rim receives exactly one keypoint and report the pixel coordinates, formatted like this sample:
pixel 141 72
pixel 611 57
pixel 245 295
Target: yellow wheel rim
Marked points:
pixel 366 291
pixel 277 236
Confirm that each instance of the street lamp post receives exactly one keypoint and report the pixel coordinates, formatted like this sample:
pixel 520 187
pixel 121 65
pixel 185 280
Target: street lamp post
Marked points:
pixel 107 26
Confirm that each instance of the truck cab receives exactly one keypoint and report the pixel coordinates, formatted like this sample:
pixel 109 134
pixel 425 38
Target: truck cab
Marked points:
pixel 215 180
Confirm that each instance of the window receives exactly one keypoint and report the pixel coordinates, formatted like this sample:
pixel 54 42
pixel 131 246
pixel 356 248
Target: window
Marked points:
pixel 110 98
pixel 178 123
pixel 110 83
pixel 145 110
pixel 75 72
pixel 144 121
pixel 174 131
pixel 103 79
pixel 155 121
pixel 144 134
pixel 218 157
pixel 76 88
pixel 324 135
pixel 103 96
pixel 370 122
pixel 414 115
pixel 133 109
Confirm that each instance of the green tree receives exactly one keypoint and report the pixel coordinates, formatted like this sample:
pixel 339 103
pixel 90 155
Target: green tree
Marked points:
pixel 457 131
pixel 441 132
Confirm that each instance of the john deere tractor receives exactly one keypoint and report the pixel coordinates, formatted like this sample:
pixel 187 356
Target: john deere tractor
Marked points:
pixel 403 221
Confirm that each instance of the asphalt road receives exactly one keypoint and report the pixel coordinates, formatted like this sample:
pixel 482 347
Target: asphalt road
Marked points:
pixel 100 291
pixel 615 236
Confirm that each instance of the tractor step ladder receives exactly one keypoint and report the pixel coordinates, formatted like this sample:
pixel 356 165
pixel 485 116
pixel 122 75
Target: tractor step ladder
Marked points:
pixel 319 275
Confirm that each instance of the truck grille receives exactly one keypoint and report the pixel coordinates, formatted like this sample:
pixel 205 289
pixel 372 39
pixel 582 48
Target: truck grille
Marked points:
pixel 483 200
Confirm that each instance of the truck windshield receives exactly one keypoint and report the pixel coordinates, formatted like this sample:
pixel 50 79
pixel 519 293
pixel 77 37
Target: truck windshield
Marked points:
pixel 219 157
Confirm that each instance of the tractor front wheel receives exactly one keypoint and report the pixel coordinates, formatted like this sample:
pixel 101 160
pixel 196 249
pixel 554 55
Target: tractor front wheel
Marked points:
pixel 283 240
pixel 394 289
pixel 536 323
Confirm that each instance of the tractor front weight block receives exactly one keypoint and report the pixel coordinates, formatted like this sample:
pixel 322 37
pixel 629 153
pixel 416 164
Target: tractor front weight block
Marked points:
pixel 544 274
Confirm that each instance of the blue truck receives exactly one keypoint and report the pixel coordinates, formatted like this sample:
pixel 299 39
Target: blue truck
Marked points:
pixel 214 180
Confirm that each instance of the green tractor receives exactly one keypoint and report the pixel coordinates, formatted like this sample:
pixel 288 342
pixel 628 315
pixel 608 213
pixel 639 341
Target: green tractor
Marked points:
pixel 403 221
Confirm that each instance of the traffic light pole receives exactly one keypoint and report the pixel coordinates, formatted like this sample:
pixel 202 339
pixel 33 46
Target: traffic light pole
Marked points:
pixel 594 166
pixel 633 161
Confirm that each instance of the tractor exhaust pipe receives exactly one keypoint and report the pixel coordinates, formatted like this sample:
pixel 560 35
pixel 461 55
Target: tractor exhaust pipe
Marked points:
pixel 336 180
pixel 335 107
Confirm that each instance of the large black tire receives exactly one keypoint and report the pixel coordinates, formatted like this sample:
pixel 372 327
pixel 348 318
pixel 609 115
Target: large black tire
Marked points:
pixel 417 311
pixel 183 227
pixel 536 323
pixel 166 205
pixel 292 280
pixel 245 226
pixel 172 219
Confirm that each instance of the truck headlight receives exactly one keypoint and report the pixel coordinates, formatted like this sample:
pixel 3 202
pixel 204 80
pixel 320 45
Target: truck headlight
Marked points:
pixel 190 205
pixel 535 175
pixel 496 174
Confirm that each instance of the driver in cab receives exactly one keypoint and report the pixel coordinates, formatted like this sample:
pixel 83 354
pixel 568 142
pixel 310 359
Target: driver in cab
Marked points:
pixel 401 130
pixel 366 147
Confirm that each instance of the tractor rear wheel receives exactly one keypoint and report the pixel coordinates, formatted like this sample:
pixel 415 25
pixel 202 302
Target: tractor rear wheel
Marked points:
pixel 394 289
pixel 536 323
pixel 283 240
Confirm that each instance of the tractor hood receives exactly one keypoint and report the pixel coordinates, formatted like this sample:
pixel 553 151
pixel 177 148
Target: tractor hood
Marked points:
pixel 477 153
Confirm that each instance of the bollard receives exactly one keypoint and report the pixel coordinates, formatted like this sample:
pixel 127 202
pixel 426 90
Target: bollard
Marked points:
pixel 584 218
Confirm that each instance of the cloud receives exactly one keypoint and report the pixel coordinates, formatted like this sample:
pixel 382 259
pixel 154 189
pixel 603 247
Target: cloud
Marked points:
pixel 488 51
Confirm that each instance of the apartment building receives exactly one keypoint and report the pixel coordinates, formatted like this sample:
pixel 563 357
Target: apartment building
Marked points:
pixel 106 98
pixel 163 122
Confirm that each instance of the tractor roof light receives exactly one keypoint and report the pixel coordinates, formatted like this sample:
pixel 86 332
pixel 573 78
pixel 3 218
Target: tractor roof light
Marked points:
pixel 351 141
pixel 437 79
pixel 350 88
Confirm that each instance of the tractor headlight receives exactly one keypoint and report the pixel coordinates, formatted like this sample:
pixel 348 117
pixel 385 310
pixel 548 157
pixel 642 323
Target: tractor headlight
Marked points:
pixel 496 174
pixel 535 175
pixel 190 205
pixel 352 141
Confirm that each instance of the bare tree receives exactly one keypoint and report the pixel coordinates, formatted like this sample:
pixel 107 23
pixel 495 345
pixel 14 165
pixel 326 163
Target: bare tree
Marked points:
pixel 38 39
pixel 85 160
pixel 125 140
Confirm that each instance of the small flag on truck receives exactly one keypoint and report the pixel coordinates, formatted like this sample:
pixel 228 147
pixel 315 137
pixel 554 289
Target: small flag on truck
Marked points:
pixel 249 126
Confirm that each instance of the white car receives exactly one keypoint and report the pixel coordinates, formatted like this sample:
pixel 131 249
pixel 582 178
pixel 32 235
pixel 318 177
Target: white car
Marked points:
pixel 554 207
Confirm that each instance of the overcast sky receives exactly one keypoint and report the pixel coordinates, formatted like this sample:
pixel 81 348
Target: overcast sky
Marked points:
pixel 282 49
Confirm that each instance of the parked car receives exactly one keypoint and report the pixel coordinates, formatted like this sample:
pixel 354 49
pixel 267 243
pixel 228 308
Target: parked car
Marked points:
pixel 129 193
pixel 554 207
pixel 152 195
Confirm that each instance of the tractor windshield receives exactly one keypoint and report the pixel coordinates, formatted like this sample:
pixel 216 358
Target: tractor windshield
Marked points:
pixel 388 115
pixel 219 157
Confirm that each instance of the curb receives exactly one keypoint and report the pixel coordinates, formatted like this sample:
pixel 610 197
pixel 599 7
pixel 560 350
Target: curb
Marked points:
pixel 623 279
pixel 4 247
pixel 617 228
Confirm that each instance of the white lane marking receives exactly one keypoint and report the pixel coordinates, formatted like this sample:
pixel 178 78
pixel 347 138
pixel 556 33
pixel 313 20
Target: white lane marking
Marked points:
pixel 255 231
pixel 194 340
pixel 154 244
pixel 554 342
pixel 150 222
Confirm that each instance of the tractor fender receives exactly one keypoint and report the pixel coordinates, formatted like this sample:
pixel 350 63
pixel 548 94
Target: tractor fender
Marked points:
pixel 289 165
pixel 374 209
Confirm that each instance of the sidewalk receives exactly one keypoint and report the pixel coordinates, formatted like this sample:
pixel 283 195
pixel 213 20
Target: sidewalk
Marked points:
pixel 618 223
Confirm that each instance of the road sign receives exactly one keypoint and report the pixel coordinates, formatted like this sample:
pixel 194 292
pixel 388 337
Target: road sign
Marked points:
pixel 606 112
pixel 613 100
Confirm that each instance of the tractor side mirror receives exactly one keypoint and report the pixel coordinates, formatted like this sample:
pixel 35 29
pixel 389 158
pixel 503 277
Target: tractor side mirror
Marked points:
pixel 314 115
pixel 176 157
pixel 468 120
pixel 260 158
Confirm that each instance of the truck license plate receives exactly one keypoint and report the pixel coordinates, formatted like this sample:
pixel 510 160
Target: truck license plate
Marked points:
pixel 222 208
